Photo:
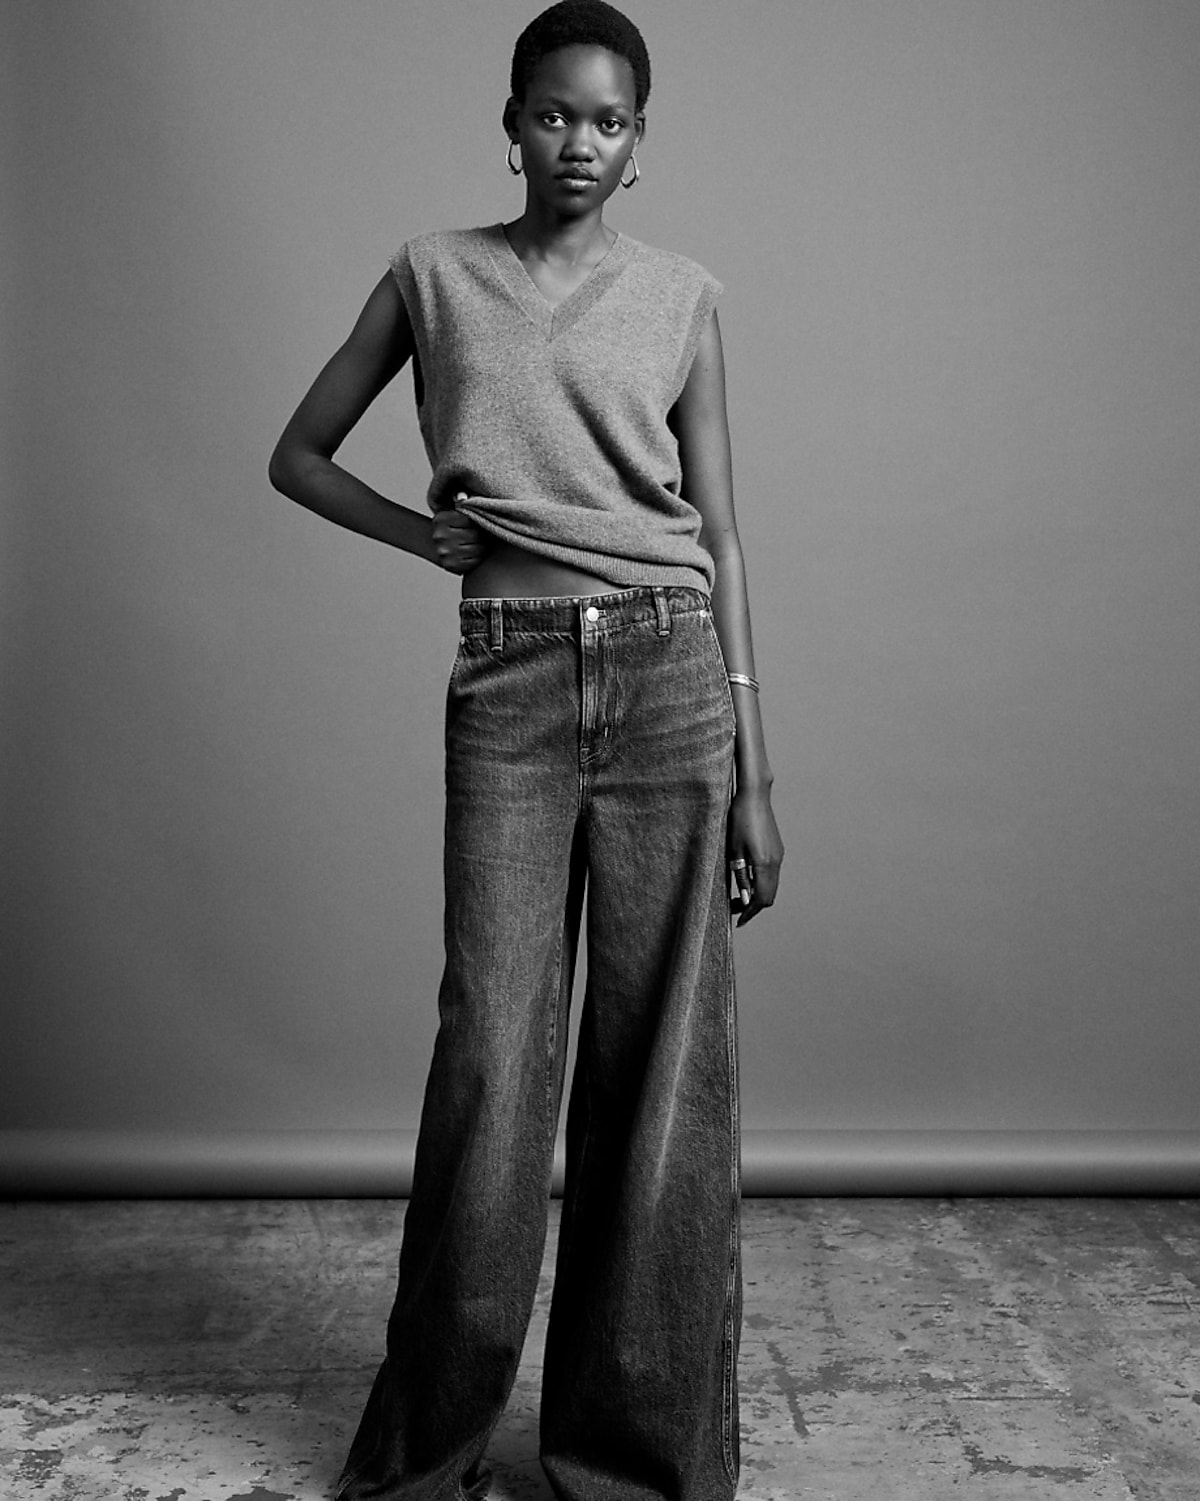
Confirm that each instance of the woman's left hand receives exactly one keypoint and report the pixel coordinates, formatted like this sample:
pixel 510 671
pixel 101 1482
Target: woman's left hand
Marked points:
pixel 755 852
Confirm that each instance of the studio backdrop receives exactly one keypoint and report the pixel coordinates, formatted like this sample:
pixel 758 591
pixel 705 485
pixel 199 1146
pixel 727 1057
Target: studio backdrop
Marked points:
pixel 962 326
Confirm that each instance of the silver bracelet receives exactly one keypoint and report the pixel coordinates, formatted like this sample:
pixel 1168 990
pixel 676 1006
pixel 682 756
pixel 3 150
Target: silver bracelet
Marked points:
pixel 744 680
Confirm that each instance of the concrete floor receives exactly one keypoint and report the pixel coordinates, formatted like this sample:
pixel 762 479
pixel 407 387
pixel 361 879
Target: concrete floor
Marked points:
pixel 913 1350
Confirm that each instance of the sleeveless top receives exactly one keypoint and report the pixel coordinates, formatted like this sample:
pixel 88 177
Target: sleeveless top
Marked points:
pixel 553 419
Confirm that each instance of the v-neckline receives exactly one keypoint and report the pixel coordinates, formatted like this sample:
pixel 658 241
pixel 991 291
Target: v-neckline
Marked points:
pixel 555 317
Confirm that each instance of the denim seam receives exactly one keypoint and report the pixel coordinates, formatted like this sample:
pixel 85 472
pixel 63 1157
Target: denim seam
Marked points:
pixel 552 1047
pixel 576 1188
pixel 515 633
pixel 729 1363
pixel 572 1188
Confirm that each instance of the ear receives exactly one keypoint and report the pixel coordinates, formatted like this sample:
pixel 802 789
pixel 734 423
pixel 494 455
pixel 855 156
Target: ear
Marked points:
pixel 639 128
pixel 509 118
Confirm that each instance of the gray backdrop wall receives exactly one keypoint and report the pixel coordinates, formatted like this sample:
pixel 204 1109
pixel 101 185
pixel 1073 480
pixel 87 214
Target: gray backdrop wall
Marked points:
pixel 962 323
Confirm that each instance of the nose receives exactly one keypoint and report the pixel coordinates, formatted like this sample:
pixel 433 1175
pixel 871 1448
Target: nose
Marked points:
pixel 577 146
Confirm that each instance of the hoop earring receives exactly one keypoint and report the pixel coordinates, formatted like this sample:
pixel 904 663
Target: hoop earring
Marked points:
pixel 636 172
pixel 516 171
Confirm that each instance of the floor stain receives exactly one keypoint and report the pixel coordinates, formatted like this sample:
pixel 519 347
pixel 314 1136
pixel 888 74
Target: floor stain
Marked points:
pixel 981 1466
pixel 790 1388
pixel 37 1466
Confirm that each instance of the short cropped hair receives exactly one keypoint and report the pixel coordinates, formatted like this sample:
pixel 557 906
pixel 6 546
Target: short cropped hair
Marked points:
pixel 574 23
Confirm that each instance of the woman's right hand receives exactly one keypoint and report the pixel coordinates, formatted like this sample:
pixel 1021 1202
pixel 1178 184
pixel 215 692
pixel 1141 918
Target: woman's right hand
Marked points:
pixel 458 543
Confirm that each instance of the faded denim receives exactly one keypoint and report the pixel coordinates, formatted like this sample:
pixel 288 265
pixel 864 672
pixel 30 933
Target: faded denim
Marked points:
pixel 588 743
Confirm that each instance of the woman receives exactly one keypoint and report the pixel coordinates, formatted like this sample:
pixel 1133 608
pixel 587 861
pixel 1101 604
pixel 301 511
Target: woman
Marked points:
pixel 570 391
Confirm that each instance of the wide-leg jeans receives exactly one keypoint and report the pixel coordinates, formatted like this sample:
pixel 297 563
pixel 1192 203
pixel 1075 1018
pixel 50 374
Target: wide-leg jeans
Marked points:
pixel 588 749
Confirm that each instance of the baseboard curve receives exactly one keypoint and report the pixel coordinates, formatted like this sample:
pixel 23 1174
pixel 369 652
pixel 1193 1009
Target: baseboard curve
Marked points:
pixel 378 1164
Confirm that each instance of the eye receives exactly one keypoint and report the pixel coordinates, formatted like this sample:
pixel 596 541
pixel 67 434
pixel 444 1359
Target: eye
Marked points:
pixel 612 127
pixel 553 119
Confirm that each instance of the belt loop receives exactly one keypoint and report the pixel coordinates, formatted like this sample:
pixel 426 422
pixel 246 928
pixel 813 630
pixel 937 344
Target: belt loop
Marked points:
pixel 496 626
pixel 662 609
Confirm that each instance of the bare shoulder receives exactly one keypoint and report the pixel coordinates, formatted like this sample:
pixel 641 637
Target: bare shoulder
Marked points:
pixel 383 330
pixel 703 393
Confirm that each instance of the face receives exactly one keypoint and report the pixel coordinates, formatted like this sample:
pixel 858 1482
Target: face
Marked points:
pixel 577 127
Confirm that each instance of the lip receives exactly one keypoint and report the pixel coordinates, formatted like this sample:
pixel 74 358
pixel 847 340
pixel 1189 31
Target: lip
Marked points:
pixel 576 174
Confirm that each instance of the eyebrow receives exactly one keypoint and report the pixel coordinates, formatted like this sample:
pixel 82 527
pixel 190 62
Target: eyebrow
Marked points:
pixel 611 106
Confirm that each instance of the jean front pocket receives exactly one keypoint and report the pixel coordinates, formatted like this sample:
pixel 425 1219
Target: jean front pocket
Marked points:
pixel 720 678
pixel 473 660
pixel 457 664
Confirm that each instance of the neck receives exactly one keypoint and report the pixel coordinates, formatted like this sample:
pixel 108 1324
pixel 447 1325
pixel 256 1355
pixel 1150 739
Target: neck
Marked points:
pixel 542 233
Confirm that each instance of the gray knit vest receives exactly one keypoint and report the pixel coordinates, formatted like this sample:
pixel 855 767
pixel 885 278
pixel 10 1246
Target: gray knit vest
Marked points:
pixel 553 420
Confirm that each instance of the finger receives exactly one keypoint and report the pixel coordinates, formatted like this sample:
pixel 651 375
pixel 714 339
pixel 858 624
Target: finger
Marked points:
pixel 766 883
pixel 751 910
pixel 741 880
pixel 456 521
pixel 750 913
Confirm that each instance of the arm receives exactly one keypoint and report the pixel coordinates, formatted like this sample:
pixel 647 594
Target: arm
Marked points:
pixel 302 466
pixel 701 427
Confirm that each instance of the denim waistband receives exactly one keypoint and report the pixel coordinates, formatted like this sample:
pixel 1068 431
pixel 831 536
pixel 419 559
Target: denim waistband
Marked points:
pixel 571 615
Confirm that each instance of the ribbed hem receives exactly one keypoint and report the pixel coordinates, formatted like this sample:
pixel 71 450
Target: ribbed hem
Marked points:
pixel 626 573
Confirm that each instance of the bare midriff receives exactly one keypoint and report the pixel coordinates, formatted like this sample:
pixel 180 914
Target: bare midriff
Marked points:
pixel 510 572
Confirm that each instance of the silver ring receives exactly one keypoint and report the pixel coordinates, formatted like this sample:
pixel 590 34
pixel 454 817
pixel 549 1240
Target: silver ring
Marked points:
pixel 737 865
